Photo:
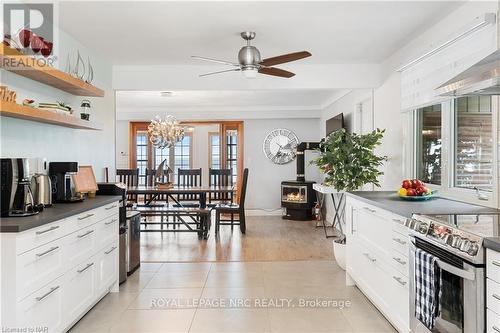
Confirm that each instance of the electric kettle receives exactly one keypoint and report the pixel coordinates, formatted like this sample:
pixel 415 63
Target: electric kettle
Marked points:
pixel 42 189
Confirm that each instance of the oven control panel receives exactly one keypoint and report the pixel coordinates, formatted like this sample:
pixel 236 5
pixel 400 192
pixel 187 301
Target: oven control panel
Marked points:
pixel 466 243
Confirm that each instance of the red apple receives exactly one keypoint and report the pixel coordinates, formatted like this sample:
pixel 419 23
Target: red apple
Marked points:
pixel 417 183
pixel 411 192
pixel 421 190
pixel 406 184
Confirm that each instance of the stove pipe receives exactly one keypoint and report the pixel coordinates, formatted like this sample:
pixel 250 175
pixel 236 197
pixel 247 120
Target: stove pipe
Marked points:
pixel 301 148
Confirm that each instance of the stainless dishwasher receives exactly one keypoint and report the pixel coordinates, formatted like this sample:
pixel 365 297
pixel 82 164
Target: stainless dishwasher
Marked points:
pixel 133 241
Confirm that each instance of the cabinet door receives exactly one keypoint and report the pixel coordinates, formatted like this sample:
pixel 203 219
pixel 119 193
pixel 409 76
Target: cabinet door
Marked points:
pixel 38 267
pixel 81 288
pixel 373 230
pixel 81 245
pixel 107 230
pixel 44 308
pixel 107 270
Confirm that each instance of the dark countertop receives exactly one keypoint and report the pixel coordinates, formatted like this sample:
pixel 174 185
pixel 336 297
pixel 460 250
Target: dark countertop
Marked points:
pixel 390 201
pixel 57 212
pixel 492 243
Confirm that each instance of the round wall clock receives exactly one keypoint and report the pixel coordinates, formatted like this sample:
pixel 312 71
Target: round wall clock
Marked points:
pixel 280 146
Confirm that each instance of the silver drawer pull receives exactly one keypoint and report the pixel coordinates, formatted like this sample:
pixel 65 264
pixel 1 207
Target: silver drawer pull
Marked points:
pixel 47 252
pixel 496 328
pixel 110 222
pixel 399 221
pixel 399 240
pixel 47 230
pixel 110 207
pixel 85 234
pixel 369 257
pixel 38 299
pixel 496 263
pixel 110 250
pixel 369 209
pixel 399 261
pixel 85 268
pixel 399 280
pixel 85 217
pixel 496 296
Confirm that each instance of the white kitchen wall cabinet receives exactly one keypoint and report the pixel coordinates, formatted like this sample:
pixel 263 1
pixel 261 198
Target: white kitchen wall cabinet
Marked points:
pixel 377 259
pixel 53 274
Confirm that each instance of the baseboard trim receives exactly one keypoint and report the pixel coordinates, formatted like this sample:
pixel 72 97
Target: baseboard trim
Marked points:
pixel 263 212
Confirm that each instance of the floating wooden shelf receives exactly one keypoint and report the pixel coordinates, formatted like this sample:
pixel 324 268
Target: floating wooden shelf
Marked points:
pixel 14 110
pixel 27 66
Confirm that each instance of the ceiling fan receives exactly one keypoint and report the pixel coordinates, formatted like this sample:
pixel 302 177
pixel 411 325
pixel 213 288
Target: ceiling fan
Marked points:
pixel 250 63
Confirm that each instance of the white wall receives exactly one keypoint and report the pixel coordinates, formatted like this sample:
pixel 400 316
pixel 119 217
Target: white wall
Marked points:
pixel 21 138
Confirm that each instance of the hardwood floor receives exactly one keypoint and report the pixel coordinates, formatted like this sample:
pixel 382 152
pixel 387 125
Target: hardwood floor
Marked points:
pixel 268 238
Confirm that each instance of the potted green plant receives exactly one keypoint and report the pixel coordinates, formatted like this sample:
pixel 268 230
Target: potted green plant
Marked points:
pixel 348 161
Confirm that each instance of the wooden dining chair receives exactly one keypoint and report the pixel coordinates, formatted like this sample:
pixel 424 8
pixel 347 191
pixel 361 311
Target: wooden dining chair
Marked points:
pixel 220 177
pixel 129 177
pixel 189 177
pixel 233 209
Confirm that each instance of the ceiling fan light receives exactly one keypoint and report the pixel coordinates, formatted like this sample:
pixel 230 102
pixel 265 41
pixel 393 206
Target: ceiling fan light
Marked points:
pixel 250 73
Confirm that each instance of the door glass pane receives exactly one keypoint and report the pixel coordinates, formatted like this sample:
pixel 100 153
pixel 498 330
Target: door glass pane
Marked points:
pixel 142 155
pixel 429 141
pixel 214 150
pixel 182 155
pixel 474 143
pixel 232 154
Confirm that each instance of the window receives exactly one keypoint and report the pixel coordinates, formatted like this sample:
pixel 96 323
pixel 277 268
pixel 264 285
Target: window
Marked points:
pixel 214 150
pixel 232 152
pixel 142 155
pixel 182 154
pixel 429 144
pixel 473 143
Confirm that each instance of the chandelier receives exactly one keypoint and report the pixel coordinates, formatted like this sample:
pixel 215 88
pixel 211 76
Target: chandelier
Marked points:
pixel 165 133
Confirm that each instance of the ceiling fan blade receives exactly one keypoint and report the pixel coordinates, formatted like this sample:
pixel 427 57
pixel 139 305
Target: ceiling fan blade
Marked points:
pixel 285 58
pixel 215 60
pixel 275 72
pixel 227 70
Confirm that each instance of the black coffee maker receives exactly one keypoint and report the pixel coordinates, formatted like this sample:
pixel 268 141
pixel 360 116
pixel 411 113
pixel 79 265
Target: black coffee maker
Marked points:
pixel 63 189
pixel 16 196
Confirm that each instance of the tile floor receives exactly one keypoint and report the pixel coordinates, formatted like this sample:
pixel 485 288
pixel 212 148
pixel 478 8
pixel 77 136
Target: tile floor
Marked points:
pixel 162 298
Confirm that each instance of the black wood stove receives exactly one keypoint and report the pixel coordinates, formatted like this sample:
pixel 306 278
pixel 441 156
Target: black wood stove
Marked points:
pixel 297 196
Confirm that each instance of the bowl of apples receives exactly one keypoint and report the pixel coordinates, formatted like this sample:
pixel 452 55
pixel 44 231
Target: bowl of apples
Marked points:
pixel 415 190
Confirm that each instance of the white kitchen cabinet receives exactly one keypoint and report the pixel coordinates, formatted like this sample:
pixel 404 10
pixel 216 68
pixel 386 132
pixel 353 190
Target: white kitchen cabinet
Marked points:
pixel 53 274
pixel 377 259
pixel 492 291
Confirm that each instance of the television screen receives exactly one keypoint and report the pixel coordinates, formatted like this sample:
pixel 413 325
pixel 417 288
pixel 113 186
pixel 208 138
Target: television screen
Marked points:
pixel 334 124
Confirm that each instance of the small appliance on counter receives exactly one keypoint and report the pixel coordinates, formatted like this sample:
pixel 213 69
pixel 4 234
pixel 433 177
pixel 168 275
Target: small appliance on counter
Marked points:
pixel 16 196
pixel 41 186
pixel 62 184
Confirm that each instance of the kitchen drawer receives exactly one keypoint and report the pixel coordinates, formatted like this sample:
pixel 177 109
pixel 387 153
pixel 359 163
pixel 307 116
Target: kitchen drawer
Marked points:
pixel 84 220
pixel 38 267
pixel 81 244
pixel 372 230
pixel 107 267
pixel 33 238
pixel 400 243
pixel 400 263
pixel 492 322
pixel 493 296
pixel 493 265
pixel 108 210
pixel 398 225
pixel 82 288
pixel 43 309
pixel 107 231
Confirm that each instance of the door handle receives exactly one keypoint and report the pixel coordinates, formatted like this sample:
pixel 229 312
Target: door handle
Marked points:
pixel 496 329
pixel 85 217
pixel 110 250
pixel 110 222
pixel 47 230
pixel 399 261
pixel 496 263
pixel 38 299
pixel 85 268
pixel 47 252
pixel 369 209
pixel 399 240
pixel 496 296
pixel 399 280
pixel 85 234
pixel 110 207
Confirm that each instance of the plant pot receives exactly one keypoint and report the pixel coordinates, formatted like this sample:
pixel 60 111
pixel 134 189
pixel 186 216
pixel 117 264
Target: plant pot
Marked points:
pixel 85 116
pixel 339 253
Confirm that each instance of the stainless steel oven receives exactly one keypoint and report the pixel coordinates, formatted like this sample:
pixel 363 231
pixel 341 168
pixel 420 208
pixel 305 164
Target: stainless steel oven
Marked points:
pixel 462 297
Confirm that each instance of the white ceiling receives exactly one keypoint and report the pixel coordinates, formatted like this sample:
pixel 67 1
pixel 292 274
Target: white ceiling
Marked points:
pixel 226 99
pixel 161 32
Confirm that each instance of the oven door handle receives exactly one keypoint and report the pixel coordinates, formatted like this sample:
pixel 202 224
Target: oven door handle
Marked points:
pixel 468 275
